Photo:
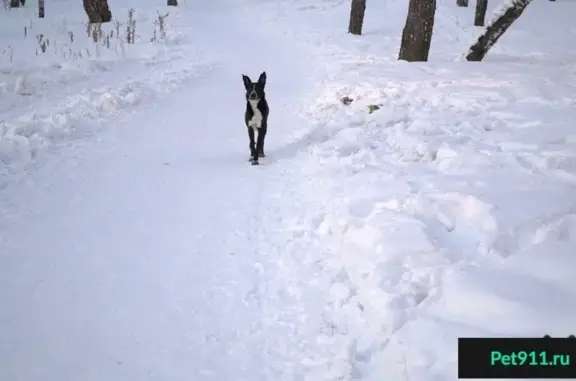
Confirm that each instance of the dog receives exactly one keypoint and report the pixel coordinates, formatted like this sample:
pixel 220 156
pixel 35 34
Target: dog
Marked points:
pixel 256 115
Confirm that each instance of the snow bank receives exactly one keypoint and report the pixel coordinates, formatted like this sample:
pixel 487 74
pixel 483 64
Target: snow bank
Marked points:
pixel 450 205
pixel 21 139
pixel 447 210
pixel 56 82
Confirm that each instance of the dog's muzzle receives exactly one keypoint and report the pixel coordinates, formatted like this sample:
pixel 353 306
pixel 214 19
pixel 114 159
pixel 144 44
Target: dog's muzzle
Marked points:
pixel 253 96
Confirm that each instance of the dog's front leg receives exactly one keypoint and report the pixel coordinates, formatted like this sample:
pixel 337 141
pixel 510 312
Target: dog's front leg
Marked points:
pixel 253 151
pixel 260 141
pixel 261 138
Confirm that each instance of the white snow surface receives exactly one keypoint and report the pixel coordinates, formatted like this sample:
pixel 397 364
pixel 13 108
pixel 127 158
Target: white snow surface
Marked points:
pixel 137 243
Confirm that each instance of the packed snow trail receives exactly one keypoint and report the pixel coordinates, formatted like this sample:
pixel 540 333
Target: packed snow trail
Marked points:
pixel 143 254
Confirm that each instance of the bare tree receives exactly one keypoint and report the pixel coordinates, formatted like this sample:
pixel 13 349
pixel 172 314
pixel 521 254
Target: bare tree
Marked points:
pixel 172 3
pixel 496 28
pixel 417 33
pixel 462 3
pixel 480 15
pixel 41 9
pixel 97 11
pixel 357 10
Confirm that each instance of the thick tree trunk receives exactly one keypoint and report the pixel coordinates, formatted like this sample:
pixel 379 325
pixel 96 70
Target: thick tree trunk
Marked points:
pixel 496 29
pixel 97 11
pixel 462 3
pixel 41 9
pixel 357 11
pixel 14 3
pixel 417 33
pixel 172 3
pixel 480 15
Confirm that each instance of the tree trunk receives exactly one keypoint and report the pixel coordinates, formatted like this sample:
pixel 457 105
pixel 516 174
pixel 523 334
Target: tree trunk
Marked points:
pixel 462 3
pixel 480 15
pixel 172 3
pixel 417 33
pixel 14 3
pixel 23 2
pixel 496 29
pixel 41 9
pixel 357 11
pixel 97 11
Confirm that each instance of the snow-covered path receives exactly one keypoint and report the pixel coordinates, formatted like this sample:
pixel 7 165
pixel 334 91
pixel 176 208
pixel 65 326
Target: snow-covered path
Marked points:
pixel 145 252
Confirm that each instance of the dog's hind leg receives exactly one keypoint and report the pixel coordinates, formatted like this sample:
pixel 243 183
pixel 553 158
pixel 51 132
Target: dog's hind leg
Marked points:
pixel 253 151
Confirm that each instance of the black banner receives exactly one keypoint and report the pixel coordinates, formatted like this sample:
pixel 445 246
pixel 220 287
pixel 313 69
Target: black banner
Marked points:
pixel 517 357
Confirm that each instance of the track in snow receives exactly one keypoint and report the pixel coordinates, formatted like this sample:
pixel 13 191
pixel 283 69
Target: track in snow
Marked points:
pixel 146 253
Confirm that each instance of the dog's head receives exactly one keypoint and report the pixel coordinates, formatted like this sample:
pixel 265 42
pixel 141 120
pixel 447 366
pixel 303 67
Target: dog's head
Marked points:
pixel 254 90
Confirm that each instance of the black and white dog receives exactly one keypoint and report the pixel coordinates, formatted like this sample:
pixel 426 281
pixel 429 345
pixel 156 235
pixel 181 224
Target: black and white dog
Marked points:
pixel 256 116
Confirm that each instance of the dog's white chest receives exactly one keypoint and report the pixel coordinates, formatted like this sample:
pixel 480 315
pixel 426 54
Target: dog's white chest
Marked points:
pixel 256 121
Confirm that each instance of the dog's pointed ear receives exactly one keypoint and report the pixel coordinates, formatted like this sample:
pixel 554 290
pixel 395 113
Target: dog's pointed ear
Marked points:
pixel 247 81
pixel 262 78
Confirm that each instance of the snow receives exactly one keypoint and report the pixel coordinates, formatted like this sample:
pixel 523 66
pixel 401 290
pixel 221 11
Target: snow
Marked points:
pixel 137 243
pixel 91 80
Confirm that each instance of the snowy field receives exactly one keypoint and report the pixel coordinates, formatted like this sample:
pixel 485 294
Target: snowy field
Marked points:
pixel 136 243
